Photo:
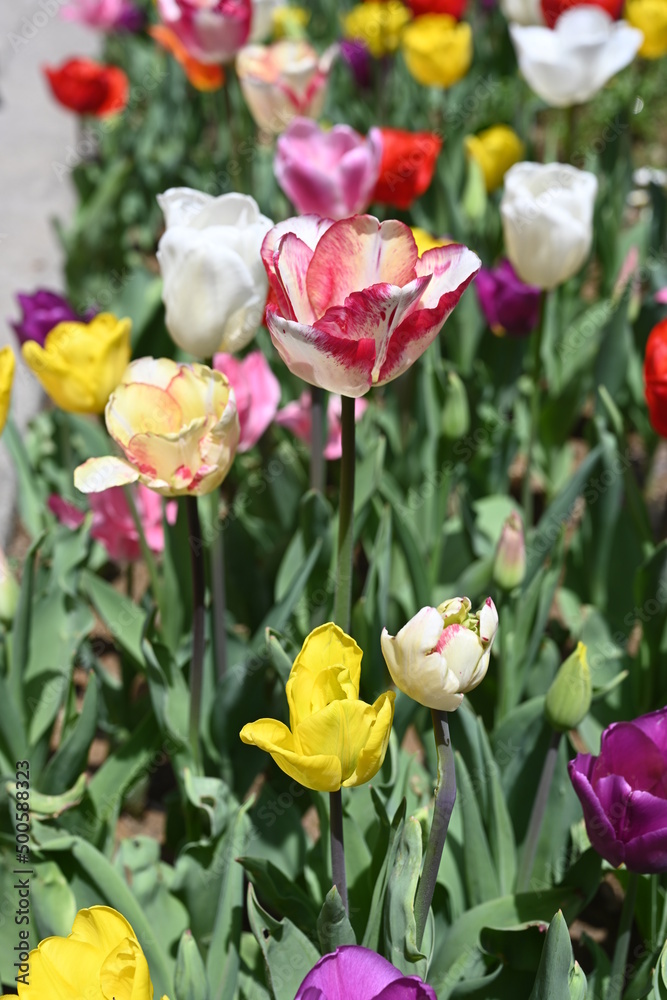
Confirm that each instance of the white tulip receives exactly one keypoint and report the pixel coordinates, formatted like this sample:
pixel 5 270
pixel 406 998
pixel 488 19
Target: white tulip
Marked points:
pixel 442 653
pixel 214 282
pixel 570 63
pixel 547 212
pixel 522 11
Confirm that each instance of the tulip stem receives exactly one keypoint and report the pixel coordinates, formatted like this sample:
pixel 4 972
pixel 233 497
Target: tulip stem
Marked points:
pixel 343 599
pixel 218 588
pixel 617 975
pixel 337 845
pixel 317 439
pixel 445 796
pixel 146 553
pixel 537 815
pixel 198 622
pixel 527 493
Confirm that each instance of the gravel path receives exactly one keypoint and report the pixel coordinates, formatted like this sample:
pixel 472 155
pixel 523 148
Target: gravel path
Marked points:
pixel 35 134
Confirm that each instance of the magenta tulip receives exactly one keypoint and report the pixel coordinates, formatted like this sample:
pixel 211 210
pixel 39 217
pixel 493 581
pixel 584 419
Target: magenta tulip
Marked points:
pixel 355 972
pixel 257 392
pixel 41 311
pixel 327 172
pixel 297 417
pixel 623 793
pixel 509 304
pixel 212 32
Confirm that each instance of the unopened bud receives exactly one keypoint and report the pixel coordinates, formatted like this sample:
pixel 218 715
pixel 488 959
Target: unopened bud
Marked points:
pixel 569 697
pixel 9 592
pixel 509 566
pixel 456 412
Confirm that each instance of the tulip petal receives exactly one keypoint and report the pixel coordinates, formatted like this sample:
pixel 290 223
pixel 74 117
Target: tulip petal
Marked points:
pixel 319 772
pixel 98 474
pixel 181 205
pixel 138 408
pixel 341 730
pixel 291 268
pixel 373 753
pixel 350 964
pixel 647 853
pixel 125 974
pixel 630 753
pixel 598 826
pixel 326 645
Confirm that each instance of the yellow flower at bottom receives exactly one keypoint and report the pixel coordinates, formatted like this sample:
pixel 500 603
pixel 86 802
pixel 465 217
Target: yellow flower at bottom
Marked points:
pixel 650 16
pixel 81 363
pixel 425 241
pixel 7 366
pixel 378 24
pixel 437 49
pixel 334 738
pixel 495 150
pixel 100 960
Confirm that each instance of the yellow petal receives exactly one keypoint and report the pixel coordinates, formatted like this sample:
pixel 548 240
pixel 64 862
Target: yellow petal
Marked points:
pixel 437 49
pixel 378 24
pixel 496 149
pixel 340 730
pixel 99 474
pixel 137 408
pixel 7 366
pixel 372 756
pixel 124 974
pixel 327 646
pixel 319 772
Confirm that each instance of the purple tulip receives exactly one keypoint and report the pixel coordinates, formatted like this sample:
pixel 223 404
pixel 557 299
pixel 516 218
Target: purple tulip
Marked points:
pixel 358 58
pixel 509 305
pixel 623 793
pixel 352 971
pixel 329 172
pixel 41 312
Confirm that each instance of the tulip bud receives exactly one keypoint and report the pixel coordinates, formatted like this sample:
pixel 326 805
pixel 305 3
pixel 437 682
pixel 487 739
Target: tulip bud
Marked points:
pixel 190 973
pixel 456 412
pixel 9 592
pixel 569 697
pixel 509 565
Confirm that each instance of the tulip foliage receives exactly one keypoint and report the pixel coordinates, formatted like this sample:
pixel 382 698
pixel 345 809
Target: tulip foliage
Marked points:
pixel 333 615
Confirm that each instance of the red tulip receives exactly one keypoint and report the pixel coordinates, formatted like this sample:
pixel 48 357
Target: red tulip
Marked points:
pixel 89 88
pixel 455 8
pixel 655 377
pixel 406 169
pixel 552 9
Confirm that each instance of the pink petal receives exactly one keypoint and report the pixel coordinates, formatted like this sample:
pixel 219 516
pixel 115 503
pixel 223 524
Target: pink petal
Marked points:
pixel 334 446
pixel 297 418
pixel 67 513
pixel 264 391
pixel 309 229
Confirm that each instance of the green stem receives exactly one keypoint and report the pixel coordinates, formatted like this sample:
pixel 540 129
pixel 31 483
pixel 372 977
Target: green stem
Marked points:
pixel 537 815
pixel 570 130
pixel 337 845
pixel 527 494
pixel 148 557
pixel 619 962
pixel 445 796
pixel 219 604
pixel 198 623
pixel 317 439
pixel 343 599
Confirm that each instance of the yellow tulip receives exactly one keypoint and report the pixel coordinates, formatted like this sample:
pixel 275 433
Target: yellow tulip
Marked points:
pixel 7 366
pixel 81 363
pixel 650 16
pixel 495 150
pixel 334 738
pixel 377 24
pixel 437 49
pixel 177 425
pixel 425 241
pixel 100 960
pixel 289 22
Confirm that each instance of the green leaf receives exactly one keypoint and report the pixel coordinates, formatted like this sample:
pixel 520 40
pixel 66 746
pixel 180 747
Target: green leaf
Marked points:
pixel 373 930
pixel 500 829
pixel 169 691
pixel 71 756
pixel 279 892
pixel 660 976
pixel 400 932
pixel 333 924
pixel 123 618
pixel 553 975
pixel 190 982
pixel 53 903
pixel 30 486
pixel 288 953
pixel 480 873
pixel 53 805
pixel 121 769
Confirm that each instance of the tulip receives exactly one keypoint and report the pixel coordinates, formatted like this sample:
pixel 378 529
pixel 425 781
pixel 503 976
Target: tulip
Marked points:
pixel 282 81
pixel 9 591
pixel 455 420
pixel 655 377
pixel 289 22
pixel 328 172
pixel 509 564
pixel 297 417
pixel 7 366
pixel 570 63
pixel 425 241
pixel 547 212
pixel 442 653
pixel 569 697
pixel 509 305
pixel 67 513
pixel 89 88
pixel 214 287
pixel 437 49
pixel 407 167
pixel 41 311
pixel 334 739
pixel 358 58
pixel 495 150
pixel 354 304
pixel 106 15
pixel 203 76
pixel 650 16
pixel 176 425
pixel 378 24
pixel 623 793
pixel 257 393
pixel 522 11
pixel 81 363
pixel 353 971
pixel 99 959
pixel 212 32
pixel 552 9
pixel 263 19
pixel 455 8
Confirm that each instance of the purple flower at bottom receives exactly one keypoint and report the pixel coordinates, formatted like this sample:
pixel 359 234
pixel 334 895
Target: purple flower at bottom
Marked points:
pixel 41 312
pixel 353 971
pixel 509 305
pixel 623 793
pixel 358 58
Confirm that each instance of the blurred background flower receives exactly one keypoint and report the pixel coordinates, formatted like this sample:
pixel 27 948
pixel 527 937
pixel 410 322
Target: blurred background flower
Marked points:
pixel 87 87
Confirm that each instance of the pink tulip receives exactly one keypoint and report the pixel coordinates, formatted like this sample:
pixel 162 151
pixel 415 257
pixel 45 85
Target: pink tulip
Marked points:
pixel 257 392
pixel 328 172
pixel 67 513
pixel 353 305
pixel 212 31
pixel 106 15
pixel 297 418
